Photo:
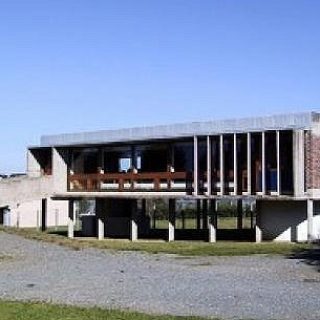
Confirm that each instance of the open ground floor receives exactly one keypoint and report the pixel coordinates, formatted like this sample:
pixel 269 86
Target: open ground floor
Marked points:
pixel 196 219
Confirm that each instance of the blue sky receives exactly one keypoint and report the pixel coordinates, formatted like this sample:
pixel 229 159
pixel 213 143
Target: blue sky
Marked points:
pixel 71 65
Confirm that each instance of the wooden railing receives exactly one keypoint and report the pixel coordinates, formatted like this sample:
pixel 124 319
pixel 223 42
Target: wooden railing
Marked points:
pixel 130 181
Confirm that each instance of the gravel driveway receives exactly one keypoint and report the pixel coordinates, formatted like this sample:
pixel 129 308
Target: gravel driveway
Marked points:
pixel 255 287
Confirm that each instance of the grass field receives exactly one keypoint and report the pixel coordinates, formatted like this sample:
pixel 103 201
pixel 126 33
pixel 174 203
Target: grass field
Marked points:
pixel 183 248
pixel 41 311
pixel 223 223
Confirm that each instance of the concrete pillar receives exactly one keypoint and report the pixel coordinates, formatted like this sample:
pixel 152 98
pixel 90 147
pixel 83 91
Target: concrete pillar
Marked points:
pixel 221 166
pixel 100 214
pixel 196 166
pixel 212 226
pixel 205 214
pixel 310 212
pixel 239 214
pixel 235 165
pixel 33 166
pixel 278 163
pixel 134 221
pixel 71 219
pixel 249 163
pixel 298 162
pixel 198 214
pixel 258 231
pixel 263 162
pixel 60 170
pixel 209 165
pixel 258 234
pixel 172 219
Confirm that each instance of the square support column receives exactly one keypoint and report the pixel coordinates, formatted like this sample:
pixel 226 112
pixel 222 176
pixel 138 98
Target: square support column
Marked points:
pixel 205 214
pixel 235 165
pixel 239 214
pixel 212 222
pixel 249 189
pixel 172 219
pixel 209 167
pixel 101 218
pixel 258 231
pixel 263 162
pixel 310 213
pixel 71 219
pixel 196 166
pixel 198 214
pixel 134 221
pixel 278 163
pixel 221 166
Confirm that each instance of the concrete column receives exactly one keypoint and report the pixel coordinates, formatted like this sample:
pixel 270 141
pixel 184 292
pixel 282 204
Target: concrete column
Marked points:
pixel 172 219
pixel 196 166
pixel 258 231
pixel 298 162
pixel 33 166
pixel 205 214
pixel 209 165
pixel 310 212
pixel 100 214
pixel 239 214
pixel 71 219
pixel 278 163
pixel 60 170
pixel 134 221
pixel 235 165
pixel 263 162
pixel 212 222
pixel 221 166
pixel 249 163
pixel 198 214
pixel 258 234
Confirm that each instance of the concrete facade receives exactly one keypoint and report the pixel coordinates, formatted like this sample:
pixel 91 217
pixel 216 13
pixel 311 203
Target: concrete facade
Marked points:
pixel 273 161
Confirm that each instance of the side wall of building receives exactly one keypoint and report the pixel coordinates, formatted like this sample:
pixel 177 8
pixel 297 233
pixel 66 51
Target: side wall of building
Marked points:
pixel 286 220
pixel 28 214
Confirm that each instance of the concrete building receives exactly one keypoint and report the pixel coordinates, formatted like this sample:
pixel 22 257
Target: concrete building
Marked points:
pixel 273 162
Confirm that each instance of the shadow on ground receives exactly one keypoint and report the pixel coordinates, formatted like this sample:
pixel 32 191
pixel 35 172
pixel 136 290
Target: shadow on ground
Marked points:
pixel 310 256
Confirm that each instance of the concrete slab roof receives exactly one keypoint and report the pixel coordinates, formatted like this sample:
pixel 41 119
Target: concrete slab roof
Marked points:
pixel 182 130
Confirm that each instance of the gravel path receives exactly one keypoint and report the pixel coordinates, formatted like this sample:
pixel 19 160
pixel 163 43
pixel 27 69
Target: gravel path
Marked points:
pixel 255 287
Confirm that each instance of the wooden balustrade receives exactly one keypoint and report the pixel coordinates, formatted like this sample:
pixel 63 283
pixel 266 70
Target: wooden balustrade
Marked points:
pixel 130 181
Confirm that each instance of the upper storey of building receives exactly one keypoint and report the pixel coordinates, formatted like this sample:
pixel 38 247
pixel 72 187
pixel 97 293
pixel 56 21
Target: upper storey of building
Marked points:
pixel 292 121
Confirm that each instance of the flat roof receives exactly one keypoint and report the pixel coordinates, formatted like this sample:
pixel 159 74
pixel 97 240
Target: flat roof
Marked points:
pixel 181 130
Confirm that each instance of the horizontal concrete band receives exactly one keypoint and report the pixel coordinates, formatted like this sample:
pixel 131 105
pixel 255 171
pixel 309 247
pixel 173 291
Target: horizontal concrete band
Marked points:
pixel 275 122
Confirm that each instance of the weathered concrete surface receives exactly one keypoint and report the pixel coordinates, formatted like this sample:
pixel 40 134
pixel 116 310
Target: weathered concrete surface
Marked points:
pixel 255 287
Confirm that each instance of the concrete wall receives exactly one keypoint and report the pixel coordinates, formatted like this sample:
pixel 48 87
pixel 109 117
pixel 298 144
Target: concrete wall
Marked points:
pixel 286 220
pixel 28 214
pixel 18 190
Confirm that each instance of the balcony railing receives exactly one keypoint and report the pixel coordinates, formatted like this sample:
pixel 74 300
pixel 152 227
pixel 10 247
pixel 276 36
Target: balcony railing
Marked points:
pixel 130 181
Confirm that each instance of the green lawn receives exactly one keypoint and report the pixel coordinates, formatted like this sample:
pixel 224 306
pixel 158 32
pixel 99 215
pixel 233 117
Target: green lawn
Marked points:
pixel 189 223
pixel 183 248
pixel 41 311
